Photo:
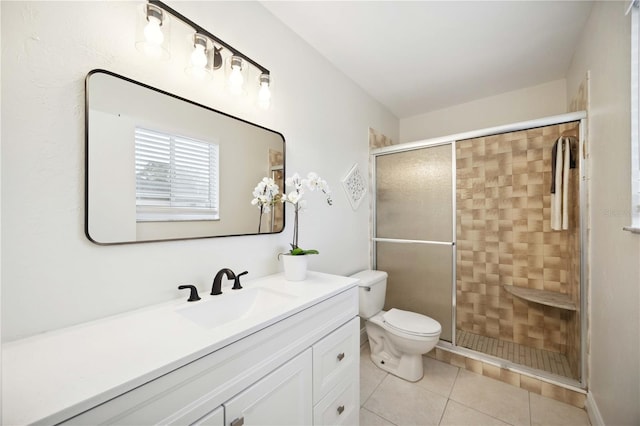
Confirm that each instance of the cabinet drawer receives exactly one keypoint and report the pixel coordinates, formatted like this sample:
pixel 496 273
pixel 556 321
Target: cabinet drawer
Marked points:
pixel 214 418
pixel 335 357
pixel 281 398
pixel 341 406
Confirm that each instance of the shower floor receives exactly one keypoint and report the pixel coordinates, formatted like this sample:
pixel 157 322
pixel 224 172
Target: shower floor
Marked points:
pixel 551 362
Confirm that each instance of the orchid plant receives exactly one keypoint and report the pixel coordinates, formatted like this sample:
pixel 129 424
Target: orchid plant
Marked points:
pixel 312 182
pixel 267 193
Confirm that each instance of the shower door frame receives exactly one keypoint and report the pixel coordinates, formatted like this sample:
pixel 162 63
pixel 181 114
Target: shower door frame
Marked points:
pixel 579 116
pixel 410 147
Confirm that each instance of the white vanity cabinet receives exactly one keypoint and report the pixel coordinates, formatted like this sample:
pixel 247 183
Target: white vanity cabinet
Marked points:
pixel 280 399
pixel 301 370
pixel 214 418
pixel 336 366
pixel 324 377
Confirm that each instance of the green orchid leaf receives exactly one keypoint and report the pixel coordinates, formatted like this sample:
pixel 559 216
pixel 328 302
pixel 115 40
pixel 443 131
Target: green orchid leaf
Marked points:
pixel 300 252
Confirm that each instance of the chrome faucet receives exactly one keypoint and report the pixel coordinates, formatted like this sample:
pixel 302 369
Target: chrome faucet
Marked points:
pixel 217 281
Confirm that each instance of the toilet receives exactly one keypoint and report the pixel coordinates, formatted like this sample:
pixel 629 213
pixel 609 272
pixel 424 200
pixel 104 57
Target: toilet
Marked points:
pixel 397 338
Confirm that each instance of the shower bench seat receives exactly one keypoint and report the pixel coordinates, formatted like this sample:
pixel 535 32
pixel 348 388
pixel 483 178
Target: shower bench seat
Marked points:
pixel 544 297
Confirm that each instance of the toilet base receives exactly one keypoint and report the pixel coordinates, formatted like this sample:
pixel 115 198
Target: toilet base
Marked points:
pixel 397 353
pixel 387 356
pixel 407 367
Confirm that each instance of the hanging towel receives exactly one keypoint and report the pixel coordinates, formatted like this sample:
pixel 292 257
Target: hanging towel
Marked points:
pixel 561 161
pixel 566 152
pixel 556 185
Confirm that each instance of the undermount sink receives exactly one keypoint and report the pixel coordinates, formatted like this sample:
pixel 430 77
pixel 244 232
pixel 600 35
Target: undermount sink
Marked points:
pixel 233 305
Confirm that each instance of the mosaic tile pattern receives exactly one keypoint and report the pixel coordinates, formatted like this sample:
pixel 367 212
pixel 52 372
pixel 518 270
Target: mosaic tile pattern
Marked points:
pixel 504 238
pixel 551 362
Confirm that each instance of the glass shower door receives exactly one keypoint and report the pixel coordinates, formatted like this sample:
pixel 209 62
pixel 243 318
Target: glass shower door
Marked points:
pixel 414 231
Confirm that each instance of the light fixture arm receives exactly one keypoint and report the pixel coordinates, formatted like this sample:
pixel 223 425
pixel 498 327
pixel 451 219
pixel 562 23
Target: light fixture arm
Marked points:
pixel 198 29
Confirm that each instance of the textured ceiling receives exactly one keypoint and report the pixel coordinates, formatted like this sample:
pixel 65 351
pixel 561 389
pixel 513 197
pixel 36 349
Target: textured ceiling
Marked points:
pixel 419 56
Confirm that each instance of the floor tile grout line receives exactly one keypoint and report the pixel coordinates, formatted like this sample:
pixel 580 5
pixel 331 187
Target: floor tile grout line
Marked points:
pixel 374 390
pixel 379 383
pixel 378 415
pixel 483 412
pixel 443 411
pixel 449 398
pixel 480 411
pixel 454 383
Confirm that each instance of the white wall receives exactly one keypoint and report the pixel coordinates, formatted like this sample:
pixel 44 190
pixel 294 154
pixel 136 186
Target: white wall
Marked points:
pixel 604 49
pixel 519 105
pixel 52 276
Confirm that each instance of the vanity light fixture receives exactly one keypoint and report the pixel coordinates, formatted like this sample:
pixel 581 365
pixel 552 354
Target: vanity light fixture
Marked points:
pixel 264 93
pixel 236 79
pixel 199 59
pixel 152 32
pixel 154 38
pixel 205 56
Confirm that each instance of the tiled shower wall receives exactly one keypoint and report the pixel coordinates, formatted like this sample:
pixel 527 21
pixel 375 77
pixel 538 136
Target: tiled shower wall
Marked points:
pixel 504 238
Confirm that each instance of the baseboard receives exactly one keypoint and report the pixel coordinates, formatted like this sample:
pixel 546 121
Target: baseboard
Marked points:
pixel 592 410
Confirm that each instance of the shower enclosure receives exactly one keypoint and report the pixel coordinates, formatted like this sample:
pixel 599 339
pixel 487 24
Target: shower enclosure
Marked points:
pixel 462 227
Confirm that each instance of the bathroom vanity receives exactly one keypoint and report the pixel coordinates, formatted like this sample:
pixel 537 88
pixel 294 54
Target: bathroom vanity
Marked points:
pixel 275 352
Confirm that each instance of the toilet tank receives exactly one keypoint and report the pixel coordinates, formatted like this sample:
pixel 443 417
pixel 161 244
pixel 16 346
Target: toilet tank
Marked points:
pixel 373 288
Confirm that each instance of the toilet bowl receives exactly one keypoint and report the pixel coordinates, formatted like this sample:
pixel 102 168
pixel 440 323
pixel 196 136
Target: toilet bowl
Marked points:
pixel 397 338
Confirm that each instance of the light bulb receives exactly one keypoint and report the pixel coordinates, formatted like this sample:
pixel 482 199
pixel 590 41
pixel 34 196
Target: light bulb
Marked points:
pixel 199 57
pixel 264 94
pixel 236 80
pixel 152 32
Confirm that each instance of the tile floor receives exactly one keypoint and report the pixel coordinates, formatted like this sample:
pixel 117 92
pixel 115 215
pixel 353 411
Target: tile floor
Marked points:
pixel 448 395
pixel 551 362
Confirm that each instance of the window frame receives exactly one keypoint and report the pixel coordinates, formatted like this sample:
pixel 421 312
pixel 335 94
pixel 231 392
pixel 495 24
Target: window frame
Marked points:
pixel 171 211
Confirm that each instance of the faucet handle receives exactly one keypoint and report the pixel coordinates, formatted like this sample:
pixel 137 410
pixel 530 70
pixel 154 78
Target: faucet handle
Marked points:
pixel 193 295
pixel 236 283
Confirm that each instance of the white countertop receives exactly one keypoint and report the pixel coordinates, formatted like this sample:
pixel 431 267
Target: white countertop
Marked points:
pixel 53 376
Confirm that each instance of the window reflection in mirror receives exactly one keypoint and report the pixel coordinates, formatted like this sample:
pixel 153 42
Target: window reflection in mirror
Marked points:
pixel 160 167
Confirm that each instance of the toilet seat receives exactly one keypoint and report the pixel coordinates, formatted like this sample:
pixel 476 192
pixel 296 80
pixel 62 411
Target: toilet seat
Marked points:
pixel 411 323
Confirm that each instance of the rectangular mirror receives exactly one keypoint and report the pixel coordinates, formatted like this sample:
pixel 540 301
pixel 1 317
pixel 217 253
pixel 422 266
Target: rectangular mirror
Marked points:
pixel 160 167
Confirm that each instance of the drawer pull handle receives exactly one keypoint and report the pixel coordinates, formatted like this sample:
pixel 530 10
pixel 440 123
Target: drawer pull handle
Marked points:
pixel 340 356
pixel 340 409
pixel 237 422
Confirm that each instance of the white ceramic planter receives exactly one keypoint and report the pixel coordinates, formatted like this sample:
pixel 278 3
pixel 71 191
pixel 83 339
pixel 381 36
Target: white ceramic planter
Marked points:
pixel 295 267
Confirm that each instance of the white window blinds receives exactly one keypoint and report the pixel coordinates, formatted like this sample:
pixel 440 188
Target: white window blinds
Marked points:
pixel 176 177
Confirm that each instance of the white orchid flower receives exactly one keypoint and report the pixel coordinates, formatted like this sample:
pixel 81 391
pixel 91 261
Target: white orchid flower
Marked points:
pixel 267 193
pixel 313 182
pixel 294 197
pixel 294 181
